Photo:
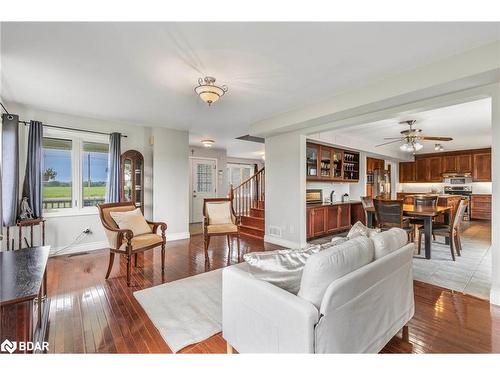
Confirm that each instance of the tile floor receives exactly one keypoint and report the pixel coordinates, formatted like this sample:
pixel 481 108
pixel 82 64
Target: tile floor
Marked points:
pixel 469 274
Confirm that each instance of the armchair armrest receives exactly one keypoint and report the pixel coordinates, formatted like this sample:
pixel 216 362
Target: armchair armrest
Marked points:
pixel 259 317
pixel 121 234
pixel 157 224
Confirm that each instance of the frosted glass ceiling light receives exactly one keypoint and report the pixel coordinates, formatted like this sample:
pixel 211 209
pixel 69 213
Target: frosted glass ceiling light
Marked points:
pixel 208 91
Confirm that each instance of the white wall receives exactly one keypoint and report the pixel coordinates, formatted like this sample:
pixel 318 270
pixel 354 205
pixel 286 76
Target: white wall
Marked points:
pixel 63 229
pixel 286 189
pixel 171 181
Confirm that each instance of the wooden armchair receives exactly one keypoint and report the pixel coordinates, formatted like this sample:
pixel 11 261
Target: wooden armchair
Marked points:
pixel 219 219
pixel 123 241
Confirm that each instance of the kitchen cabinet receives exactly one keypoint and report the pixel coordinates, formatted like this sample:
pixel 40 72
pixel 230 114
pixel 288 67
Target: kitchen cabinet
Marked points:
pixel 407 172
pixel 464 163
pixel 450 164
pixel 326 163
pixel 480 207
pixel 435 169
pixel 423 170
pixel 481 167
pixel 326 219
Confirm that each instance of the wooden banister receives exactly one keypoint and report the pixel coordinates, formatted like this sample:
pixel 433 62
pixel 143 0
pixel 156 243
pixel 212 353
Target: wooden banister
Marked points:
pixel 248 194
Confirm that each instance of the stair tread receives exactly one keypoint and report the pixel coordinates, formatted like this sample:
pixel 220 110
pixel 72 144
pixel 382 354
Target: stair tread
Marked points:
pixel 257 208
pixel 253 217
pixel 250 227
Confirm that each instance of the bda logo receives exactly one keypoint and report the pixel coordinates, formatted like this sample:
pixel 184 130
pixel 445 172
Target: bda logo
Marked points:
pixel 8 346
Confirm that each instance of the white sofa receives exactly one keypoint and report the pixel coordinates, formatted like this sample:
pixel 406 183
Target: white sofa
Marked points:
pixel 359 312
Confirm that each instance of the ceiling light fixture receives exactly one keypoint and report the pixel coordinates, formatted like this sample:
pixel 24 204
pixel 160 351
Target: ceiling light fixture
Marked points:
pixel 411 146
pixel 207 142
pixel 208 91
pixel 438 147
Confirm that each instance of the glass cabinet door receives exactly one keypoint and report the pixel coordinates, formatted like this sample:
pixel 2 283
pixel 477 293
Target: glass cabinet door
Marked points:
pixel 312 160
pixel 127 180
pixel 337 158
pixel 138 182
pixel 325 162
pixel 133 178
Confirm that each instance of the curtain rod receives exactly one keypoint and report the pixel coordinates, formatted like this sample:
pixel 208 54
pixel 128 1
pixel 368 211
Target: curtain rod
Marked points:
pixel 62 127
pixel 72 129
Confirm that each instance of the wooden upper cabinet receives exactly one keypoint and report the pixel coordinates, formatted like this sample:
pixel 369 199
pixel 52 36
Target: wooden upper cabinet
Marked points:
pixel 407 172
pixel 481 167
pixel 331 164
pixel 464 163
pixel 435 166
pixel 450 164
pixel 423 171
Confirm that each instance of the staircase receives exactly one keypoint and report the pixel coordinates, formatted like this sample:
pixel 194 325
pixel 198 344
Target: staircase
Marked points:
pixel 249 204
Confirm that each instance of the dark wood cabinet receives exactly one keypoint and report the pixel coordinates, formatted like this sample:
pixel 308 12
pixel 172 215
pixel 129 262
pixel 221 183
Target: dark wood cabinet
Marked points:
pixel 464 163
pixel 132 178
pixel 330 218
pixel 407 172
pixel 481 167
pixel 326 163
pixel 431 167
pixel 480 207
pixel 435 169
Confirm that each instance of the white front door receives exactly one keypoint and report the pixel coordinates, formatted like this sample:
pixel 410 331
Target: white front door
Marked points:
pixel 203 185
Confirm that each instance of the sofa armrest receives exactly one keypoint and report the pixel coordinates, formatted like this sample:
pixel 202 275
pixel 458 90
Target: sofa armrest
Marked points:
pixel 259 317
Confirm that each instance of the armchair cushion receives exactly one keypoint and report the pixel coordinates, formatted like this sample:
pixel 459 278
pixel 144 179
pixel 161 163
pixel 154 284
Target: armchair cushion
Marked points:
pixel 132 220
pixel 219 213
pixel 222 228
pixel 143 240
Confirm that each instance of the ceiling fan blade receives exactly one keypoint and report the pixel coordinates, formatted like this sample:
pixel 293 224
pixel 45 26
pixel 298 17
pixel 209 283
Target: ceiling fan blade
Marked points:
pixel 394 138
pixel 444 139
pixel 387 143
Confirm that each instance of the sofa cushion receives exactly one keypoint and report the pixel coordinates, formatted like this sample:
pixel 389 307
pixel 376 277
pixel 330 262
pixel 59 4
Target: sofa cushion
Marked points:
pixel 133 220
pixel 282 268
pixel 359 229
pixel 389 241
pixel 328 265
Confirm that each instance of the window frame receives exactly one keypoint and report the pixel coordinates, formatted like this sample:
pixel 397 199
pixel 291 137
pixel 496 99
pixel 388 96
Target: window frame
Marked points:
pixel 77 141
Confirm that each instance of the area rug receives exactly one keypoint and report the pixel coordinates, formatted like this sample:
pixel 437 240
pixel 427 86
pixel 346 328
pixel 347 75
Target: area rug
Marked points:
pixel 185 311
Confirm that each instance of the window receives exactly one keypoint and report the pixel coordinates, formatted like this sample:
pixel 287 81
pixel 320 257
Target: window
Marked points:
pixel 94 173
pixel 204 178
pixel 237 173
pixel 74 171
pixel 57 191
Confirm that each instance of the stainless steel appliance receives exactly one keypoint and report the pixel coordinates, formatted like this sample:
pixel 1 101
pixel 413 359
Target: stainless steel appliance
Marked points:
pixel 314 196
pixel 457 178
pixel 381 182
pixel 463 190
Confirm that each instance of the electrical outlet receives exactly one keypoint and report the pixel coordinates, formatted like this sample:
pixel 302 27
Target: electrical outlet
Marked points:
pixel 87 231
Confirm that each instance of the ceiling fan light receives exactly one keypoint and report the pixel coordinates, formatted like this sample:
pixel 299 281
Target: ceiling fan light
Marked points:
pixel 418 146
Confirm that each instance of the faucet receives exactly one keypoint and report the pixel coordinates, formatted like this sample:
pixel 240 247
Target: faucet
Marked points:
pixel 332 195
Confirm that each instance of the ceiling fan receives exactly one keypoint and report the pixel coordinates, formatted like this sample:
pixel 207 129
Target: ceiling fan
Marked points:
pixel 411 138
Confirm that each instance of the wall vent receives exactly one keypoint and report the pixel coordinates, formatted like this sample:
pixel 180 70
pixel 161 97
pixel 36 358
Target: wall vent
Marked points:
pixel 274 231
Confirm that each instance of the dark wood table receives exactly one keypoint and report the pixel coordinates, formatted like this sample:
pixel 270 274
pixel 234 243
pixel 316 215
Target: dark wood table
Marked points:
pixel 427 214
pixel 24 307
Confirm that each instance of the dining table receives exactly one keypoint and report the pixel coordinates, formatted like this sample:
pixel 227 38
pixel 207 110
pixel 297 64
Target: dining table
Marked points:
pixel 427 214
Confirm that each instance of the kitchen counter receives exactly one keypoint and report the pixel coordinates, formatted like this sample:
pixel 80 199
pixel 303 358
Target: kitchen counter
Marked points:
pixel 310 205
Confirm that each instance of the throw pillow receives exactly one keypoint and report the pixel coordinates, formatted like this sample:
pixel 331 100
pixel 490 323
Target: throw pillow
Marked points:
pixel 359 229
pixel 132 220
pixel 334 242
pixel 389 241
pixel 331 264
pixel 282 268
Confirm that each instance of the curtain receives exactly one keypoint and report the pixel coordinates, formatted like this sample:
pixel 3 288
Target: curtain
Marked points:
pixel 114 157
pixel 10 169
pixel 32 187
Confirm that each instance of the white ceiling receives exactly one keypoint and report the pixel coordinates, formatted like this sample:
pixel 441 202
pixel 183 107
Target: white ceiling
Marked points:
pixel 145 73
pixel 469 124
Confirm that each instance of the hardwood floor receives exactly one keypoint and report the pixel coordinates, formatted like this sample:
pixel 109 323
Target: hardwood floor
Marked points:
pixel 92 315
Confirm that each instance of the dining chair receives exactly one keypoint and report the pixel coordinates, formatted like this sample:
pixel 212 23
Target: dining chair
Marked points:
pixel 422 201
pixel 389 214
pixel 219 219
pixel 367 203
pixel 451 230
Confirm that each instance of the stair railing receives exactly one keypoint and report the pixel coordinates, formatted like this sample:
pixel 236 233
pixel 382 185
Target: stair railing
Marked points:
pixel 249 193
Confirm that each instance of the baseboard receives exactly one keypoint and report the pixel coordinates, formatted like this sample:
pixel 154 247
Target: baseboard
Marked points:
pixel 78 248
pixel 177 236
pixel 495 296
pixel 281 242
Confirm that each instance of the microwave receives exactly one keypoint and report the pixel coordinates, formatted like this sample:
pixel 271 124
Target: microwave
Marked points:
pixel 458 180
pixel 314 196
